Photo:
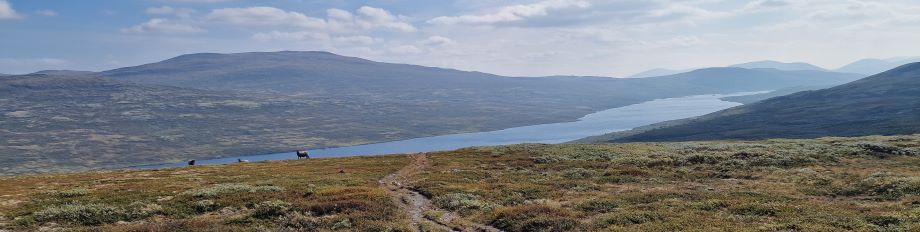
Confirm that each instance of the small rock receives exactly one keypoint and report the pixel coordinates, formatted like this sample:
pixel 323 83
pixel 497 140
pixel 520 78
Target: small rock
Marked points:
pixel 228 211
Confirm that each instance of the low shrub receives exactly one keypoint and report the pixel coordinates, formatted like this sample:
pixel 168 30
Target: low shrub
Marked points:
pixel 299 222
pixel 579 173
pixel 699 159
pixel 753 210
pixel 710 205
pixel 460 201
pixel 599 206
pixel 270 209
pixel 533 218
pixel 628 218
pixel 884 185
pixel 340 206
pixel 883 220
pixel 879 149
pixel 219 189
pixel 206 206
pixel 70 193
pixel 89 214
pixel 343 224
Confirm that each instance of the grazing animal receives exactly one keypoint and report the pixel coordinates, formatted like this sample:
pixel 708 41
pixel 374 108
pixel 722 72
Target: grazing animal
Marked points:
pixel 191 163
pixel 303 154
pixel 242 161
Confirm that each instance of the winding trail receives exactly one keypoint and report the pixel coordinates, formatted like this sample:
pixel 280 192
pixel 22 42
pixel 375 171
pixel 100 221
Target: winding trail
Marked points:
pixel 416 205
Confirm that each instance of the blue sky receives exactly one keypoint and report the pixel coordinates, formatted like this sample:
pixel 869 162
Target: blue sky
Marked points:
pixel 537 37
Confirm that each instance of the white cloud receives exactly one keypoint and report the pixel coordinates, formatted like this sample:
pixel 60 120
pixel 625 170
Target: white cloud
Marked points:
pixel 159 25
pixel 289 36
pixel 512 13
pixel 7 11
pixel 436 41
pixel 168 10
pixel 366 18
pixel 376 18
pixel 339 15
pixel 263 15
pixel 339 26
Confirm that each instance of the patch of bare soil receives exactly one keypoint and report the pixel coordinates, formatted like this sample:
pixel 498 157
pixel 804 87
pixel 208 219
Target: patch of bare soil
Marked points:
pixel 419 207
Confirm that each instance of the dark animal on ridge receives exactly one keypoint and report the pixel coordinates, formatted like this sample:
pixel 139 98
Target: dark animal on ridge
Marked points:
pixel 303 154
pixel 191 163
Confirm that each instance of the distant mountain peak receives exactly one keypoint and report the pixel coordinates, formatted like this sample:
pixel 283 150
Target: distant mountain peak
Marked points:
pixel 657 72
pixel 794 66
pixel 873 66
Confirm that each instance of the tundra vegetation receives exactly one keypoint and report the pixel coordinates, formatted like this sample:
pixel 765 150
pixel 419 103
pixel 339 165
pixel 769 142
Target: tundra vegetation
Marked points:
pixel 827 184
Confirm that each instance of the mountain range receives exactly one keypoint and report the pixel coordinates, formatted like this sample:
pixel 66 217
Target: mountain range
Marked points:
pixel 658 72
pixel 216 105
pixel 779 65
pixel 766 64
pixel 882 104
pixel 873 66
pixel 864 67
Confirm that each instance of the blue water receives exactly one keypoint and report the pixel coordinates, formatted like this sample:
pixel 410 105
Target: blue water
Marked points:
pixel 611 120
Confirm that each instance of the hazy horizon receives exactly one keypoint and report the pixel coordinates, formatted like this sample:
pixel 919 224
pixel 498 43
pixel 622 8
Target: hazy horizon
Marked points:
pixel 524 38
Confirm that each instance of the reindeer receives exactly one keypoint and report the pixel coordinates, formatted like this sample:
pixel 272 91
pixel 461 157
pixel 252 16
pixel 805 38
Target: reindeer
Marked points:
pixel 303 154
pixel 191 163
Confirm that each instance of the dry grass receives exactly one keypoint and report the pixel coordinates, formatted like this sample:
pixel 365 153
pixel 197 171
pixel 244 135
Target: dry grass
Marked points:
pixel 831 184
pixel 306 195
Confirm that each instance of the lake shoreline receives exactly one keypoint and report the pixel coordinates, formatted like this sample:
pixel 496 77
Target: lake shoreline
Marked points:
pixel 605 121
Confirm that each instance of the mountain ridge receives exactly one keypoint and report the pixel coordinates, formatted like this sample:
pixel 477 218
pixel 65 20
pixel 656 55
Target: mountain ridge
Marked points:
pixel 790 66
pixel 882 104
pixel 873 66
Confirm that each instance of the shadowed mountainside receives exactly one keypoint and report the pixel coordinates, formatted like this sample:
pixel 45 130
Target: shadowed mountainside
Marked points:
pixel 748 99
pixel 65 73
pixel 887 104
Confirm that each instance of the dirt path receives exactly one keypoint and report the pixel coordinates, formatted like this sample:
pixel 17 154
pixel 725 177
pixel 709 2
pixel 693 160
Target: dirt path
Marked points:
pixel 416 205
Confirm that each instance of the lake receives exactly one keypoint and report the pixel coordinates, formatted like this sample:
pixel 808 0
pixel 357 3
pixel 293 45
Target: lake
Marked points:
pixel 611 120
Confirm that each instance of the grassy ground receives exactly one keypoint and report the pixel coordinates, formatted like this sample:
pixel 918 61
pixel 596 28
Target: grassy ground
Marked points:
pixel 295 195
pixel 830 184
pixel 861 184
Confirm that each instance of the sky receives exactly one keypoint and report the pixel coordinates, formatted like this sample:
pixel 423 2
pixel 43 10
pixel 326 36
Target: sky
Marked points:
pixel 512 37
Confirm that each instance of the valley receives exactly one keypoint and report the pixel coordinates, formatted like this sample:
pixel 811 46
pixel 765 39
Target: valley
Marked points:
pixel 194 107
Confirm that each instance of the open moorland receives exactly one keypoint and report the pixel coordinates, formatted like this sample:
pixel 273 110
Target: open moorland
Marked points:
pixel 826 184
